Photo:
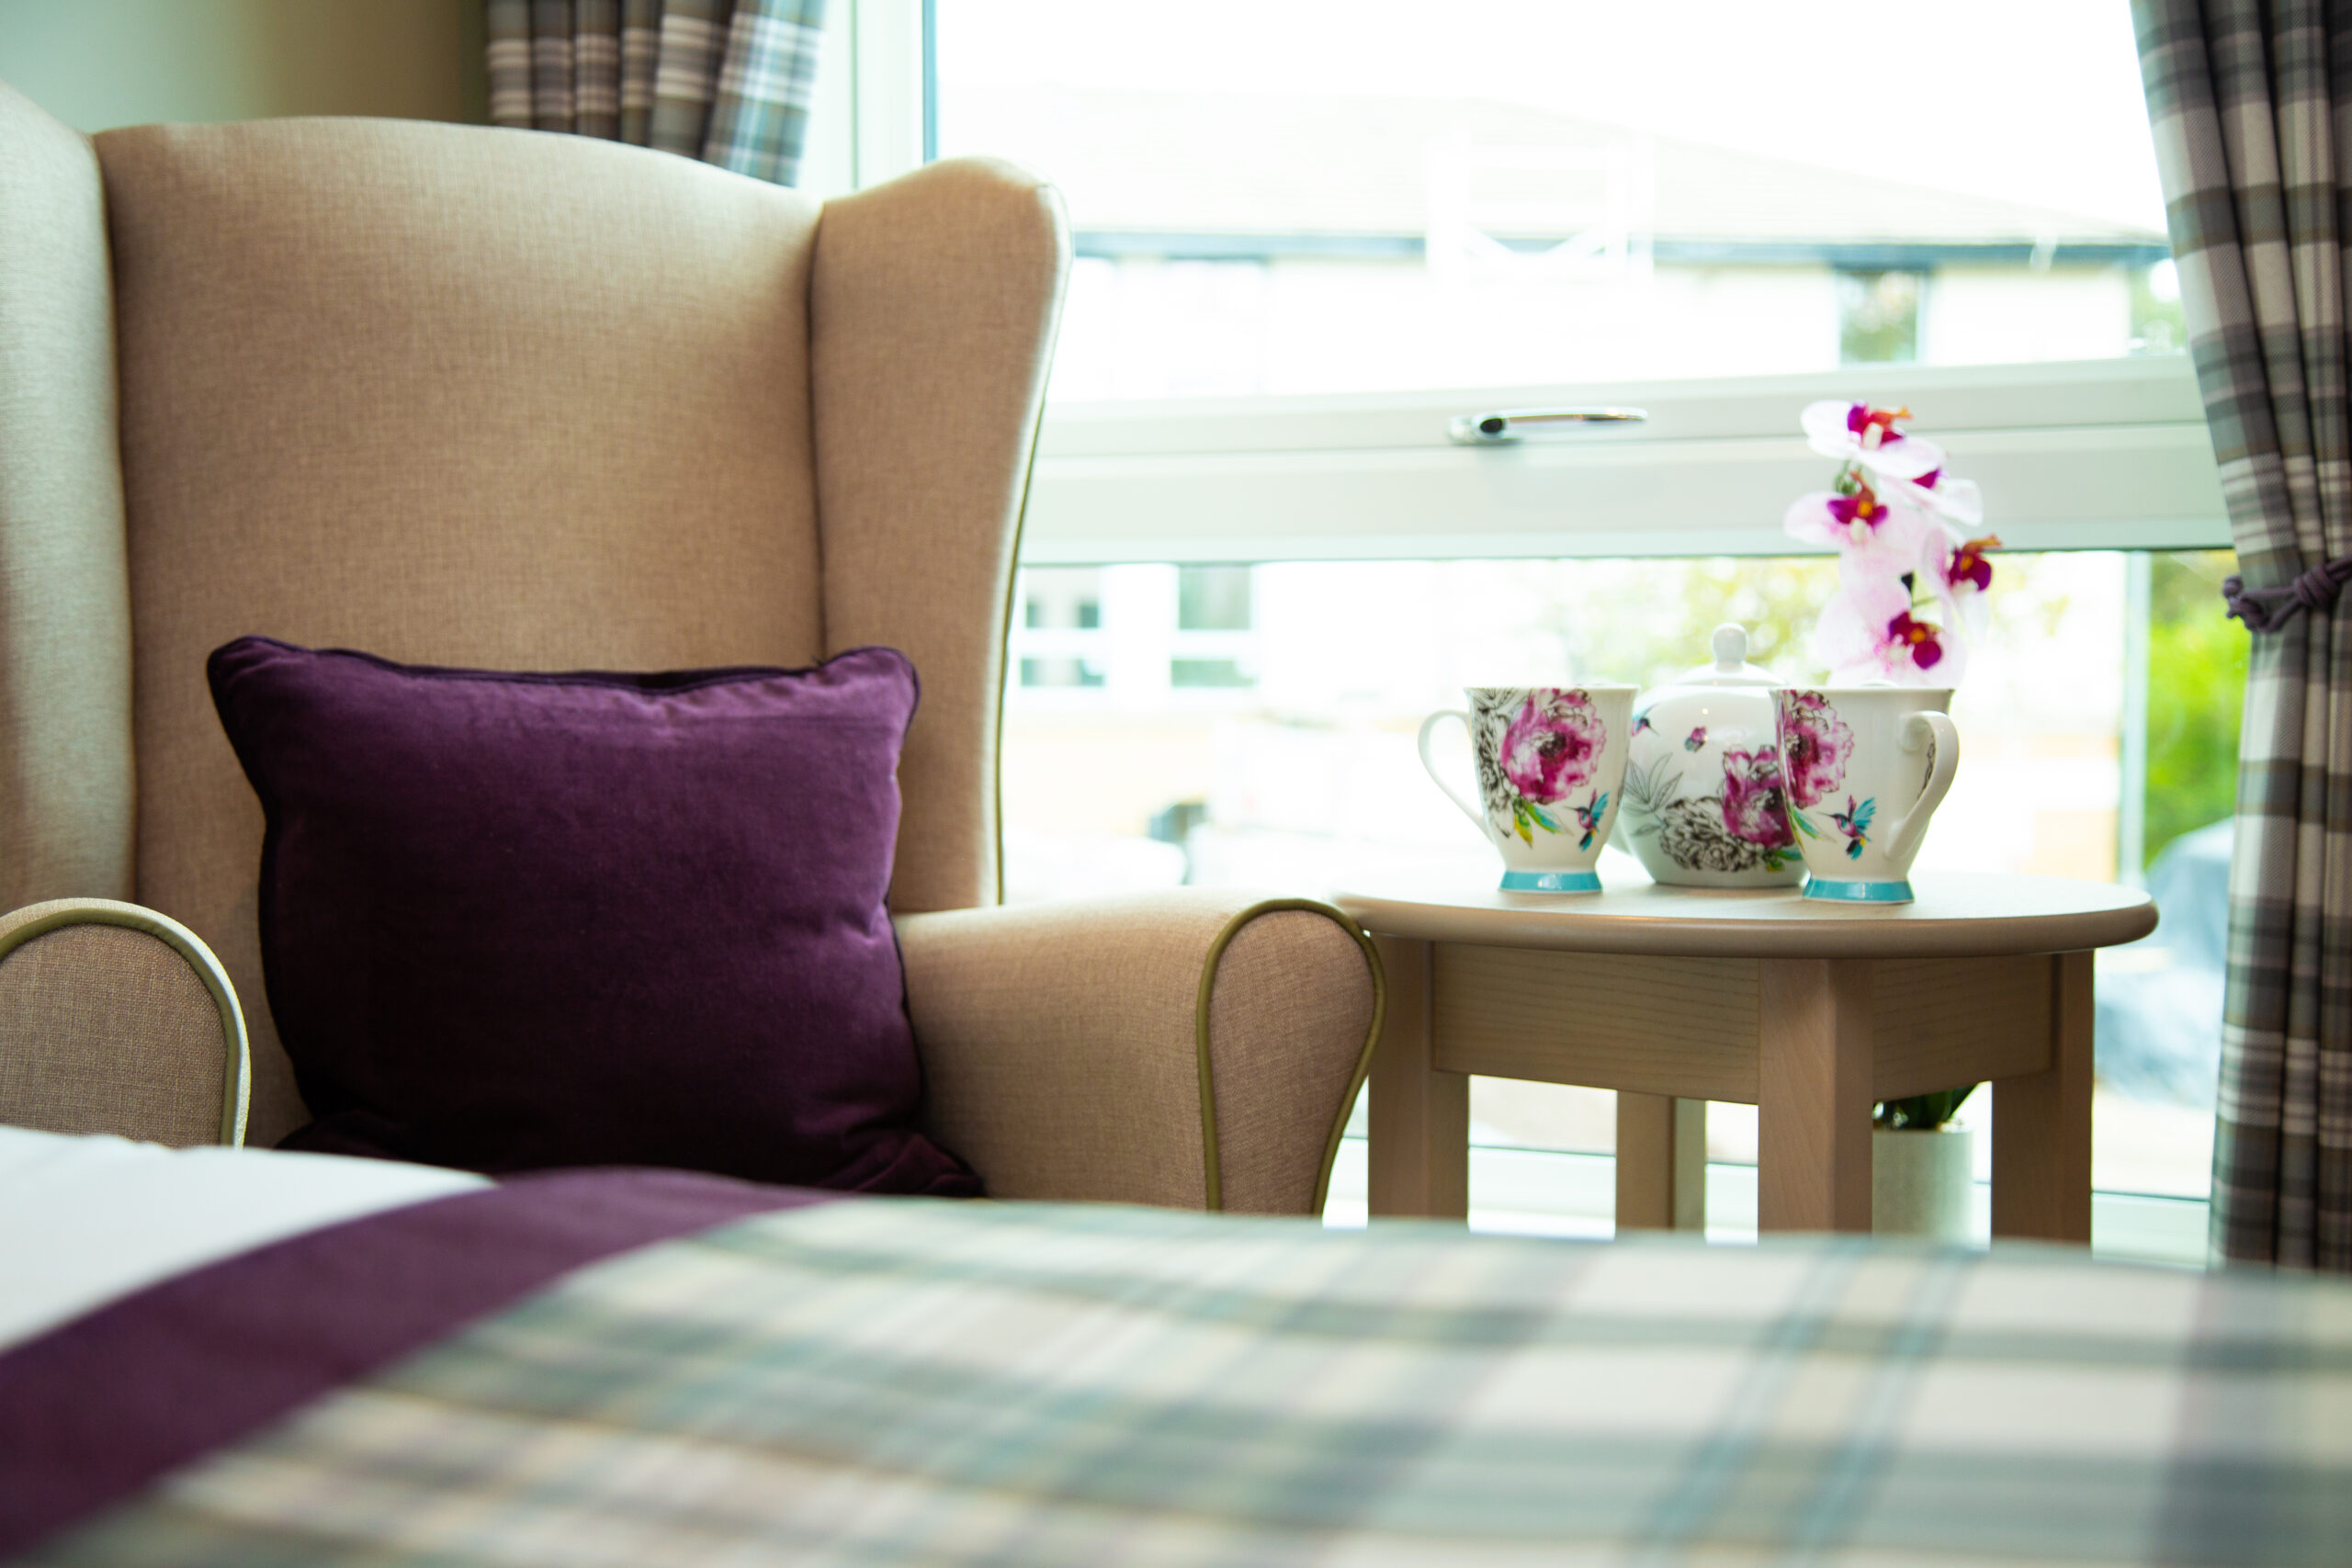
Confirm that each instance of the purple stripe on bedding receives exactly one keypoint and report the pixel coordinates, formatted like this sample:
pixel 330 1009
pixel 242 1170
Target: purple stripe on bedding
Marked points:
pixel 94 1411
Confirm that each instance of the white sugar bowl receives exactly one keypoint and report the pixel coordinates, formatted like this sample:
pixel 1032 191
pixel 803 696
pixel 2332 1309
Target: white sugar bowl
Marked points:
pixel 1703 804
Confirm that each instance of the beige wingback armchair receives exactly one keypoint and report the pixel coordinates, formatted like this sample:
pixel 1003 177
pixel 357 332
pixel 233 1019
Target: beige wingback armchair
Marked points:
pixel 493 398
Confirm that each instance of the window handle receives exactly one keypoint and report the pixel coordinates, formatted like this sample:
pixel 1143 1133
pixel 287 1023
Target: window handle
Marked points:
pixel 1515 424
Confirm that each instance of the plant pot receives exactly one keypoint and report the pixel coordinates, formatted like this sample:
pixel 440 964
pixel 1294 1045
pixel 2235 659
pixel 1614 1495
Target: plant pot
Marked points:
pixel 1922 1183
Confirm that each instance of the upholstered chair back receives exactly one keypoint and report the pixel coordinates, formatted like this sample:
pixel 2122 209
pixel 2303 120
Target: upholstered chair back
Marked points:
pixel 463 396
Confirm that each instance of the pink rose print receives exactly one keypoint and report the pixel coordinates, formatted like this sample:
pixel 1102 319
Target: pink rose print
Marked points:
pixel 1553 746
pixel 1753 809
pixel 1816 742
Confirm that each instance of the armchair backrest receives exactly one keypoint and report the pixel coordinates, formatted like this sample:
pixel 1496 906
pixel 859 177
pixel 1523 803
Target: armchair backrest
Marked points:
pixel 464 396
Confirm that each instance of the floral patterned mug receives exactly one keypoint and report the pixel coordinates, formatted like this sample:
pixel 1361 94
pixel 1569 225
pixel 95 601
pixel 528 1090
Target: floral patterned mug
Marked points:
pixel 1551 764
pixel 1864 768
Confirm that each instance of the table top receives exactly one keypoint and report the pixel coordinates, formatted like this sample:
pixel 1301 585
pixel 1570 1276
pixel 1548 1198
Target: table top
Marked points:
pixel 1957 915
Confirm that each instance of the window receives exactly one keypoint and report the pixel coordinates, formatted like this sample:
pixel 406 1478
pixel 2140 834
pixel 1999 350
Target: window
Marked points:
pixel 1310 233
pixel 2081 759
pixel 1878 317
pixel 1301 222
pixel 1338 195
pixel 1214 618
pixel 1059 641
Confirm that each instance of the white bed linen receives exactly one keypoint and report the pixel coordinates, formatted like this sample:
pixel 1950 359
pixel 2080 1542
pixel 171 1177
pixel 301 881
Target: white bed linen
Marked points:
pixel 84 1219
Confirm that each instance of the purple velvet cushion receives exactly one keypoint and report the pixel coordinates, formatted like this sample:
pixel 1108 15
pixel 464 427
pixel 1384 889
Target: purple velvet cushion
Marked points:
pixel 511 921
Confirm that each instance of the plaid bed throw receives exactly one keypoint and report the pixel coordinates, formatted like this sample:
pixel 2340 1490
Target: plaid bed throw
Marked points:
pixel 912 1382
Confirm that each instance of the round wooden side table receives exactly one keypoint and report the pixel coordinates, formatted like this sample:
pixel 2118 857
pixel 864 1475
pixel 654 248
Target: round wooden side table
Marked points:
pixel 1810 1012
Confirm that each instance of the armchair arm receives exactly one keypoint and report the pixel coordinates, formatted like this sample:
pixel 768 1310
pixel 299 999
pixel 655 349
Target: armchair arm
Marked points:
pixel 114 1019
pixel 1194 1048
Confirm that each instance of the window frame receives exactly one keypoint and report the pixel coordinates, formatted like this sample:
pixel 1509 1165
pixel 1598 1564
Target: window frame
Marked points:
pixel 2075 454
pixel 870 116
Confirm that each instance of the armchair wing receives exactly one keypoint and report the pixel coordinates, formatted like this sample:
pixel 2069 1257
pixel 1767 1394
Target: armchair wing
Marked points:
pixel 1196 1048
pixel 114 1019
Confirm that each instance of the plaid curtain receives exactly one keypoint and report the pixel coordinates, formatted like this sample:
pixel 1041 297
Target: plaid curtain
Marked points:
pixel 725 81
pixel 2251 101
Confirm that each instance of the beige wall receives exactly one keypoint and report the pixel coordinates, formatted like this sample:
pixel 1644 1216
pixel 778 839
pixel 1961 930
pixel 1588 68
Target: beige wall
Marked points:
pixel 96 63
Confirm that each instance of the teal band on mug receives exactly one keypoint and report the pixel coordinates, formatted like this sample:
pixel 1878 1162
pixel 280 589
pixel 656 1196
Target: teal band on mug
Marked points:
pixel 1550 882
pixel 1844 890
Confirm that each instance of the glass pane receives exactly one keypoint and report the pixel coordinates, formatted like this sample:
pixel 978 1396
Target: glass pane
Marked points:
pixel 1213 598
pixel 1294 764
pixel 2160 1000
pixel 1878 317
pixel 1308 195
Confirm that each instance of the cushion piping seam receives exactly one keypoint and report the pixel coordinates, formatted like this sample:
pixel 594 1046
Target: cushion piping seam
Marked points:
pixel 1212 1172
pixel 608 679
pixel 236 1088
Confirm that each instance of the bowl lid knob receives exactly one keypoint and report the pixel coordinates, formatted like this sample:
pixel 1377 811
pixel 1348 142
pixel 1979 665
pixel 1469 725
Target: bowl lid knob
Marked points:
pixel 1730 667
pixel 1731 649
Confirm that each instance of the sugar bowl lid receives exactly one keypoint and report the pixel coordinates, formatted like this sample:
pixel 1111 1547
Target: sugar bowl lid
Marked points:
pixel 1731 666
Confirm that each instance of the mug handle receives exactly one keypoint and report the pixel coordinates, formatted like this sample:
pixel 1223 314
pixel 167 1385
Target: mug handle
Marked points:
pixel 1903 842
pixel 1477 818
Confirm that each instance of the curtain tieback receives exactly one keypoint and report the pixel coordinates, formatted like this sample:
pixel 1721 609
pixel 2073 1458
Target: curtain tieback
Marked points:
pixel 2267 609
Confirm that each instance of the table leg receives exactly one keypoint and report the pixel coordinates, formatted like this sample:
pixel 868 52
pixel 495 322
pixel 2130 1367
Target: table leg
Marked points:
pixel 2041 1123
pixel 1661 1162
pixel 1813 1095
pixel 1419 1157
